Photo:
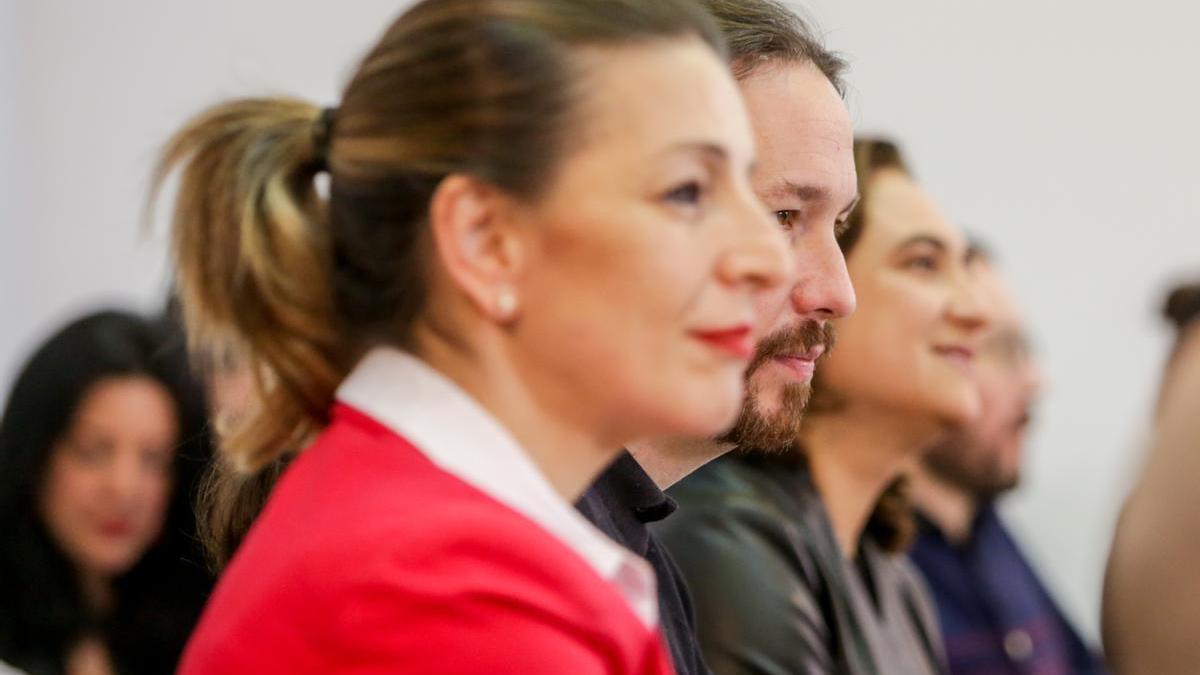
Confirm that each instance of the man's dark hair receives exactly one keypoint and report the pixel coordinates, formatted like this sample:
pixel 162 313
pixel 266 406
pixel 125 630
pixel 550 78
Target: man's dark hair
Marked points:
pixel 1182 305
pixel 768 30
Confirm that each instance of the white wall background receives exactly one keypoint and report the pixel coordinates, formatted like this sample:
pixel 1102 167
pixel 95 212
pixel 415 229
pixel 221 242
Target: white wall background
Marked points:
pixel 13 156
pixel 1066 133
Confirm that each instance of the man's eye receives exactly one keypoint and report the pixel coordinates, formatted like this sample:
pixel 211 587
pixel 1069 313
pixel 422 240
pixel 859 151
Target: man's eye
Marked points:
pixel 788 218
pixel 688 193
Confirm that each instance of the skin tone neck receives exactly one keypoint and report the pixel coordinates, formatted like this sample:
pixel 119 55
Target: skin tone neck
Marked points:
pixel 949 507
pixel 558 441
pixel 90 656
pixel 669 460
pixel 854 454
pixel 97 591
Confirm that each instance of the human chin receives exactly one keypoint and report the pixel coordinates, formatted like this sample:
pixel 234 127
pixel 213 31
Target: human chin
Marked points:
pixel 110 558
pixel 690 399
pixel 1009 470
pixel 956 402
pixel 718 412
pixel 941 389
pixel 997 474
pixel 765 388
pixel 770 417
pixel 1009 451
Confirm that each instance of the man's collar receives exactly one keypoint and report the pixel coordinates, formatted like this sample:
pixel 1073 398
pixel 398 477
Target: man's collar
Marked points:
pixel 635 488
pixel 623 500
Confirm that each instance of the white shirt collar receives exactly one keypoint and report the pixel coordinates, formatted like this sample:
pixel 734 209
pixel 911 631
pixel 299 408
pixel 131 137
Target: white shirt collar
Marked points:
pixel 458 435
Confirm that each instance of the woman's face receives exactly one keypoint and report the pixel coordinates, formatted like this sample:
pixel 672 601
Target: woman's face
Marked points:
pixel 649 250
pixel 910 346
pixel 108 480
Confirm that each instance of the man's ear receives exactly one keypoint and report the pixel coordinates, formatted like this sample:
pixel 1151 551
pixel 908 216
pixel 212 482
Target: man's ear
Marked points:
pixel 478 243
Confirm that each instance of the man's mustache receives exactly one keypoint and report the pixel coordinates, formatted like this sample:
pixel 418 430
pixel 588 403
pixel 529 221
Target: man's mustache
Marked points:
pixel 794 340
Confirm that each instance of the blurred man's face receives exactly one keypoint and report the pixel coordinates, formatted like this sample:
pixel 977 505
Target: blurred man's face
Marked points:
pixel 984 458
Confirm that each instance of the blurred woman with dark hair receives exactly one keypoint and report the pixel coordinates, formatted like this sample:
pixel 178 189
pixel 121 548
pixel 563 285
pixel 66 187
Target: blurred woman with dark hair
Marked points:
pixel 100 443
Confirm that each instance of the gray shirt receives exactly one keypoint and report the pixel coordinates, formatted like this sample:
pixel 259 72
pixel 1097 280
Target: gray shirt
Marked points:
pixel 772 591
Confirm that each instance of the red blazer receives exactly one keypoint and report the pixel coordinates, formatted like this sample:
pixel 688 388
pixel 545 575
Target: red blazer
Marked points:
pixel 370 559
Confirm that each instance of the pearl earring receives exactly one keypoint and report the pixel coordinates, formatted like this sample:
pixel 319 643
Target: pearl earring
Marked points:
pixel 506 303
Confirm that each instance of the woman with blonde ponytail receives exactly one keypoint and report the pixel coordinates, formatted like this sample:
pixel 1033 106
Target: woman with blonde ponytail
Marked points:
pixel 539 242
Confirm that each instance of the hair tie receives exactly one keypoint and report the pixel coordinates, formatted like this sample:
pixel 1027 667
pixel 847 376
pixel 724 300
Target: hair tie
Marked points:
pixel 322 135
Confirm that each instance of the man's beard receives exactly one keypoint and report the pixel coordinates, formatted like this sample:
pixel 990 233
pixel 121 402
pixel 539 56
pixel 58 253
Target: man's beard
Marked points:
pixel 983 479
pixel 779 430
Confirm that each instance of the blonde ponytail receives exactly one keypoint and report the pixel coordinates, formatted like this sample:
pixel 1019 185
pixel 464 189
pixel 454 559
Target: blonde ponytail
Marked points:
pixel 483 88
pixel 253 255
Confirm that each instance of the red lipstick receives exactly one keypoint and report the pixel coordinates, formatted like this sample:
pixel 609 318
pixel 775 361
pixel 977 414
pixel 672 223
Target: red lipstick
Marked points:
pixel 116 529
pixel 736 341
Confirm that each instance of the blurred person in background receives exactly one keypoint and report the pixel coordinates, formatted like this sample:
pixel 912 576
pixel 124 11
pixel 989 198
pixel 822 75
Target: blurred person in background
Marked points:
pixel 793 545
pixel 996 615
pixel 229 498
pixel 1181 309
pixel 101 440
pixel 540 241
pixel 805 178
pixel 1151 614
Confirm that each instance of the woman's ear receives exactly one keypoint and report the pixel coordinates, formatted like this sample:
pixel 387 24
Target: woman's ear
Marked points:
pixel 479 243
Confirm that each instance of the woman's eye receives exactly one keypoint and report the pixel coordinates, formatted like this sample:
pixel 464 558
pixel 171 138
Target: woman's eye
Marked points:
pixel 90 453
pixel 156 459
pixel 925 263
pixel 688 194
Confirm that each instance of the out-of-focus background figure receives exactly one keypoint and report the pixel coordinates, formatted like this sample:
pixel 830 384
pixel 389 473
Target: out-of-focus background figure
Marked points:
pixel 228 498
pixel 995 613
pixel 1152 593
pixel 100 442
